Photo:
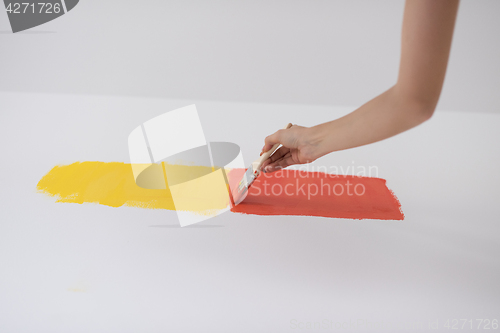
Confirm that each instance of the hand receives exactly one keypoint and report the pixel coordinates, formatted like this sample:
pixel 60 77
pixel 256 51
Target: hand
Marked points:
pixel 298 147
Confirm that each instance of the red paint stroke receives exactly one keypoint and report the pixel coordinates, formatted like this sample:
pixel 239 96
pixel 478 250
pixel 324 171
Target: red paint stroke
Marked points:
pixel 294 192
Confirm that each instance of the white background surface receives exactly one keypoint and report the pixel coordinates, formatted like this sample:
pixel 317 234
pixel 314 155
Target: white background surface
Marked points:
pixel 137 271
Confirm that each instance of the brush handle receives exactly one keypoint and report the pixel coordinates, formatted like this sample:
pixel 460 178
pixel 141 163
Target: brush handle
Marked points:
pixel 258 162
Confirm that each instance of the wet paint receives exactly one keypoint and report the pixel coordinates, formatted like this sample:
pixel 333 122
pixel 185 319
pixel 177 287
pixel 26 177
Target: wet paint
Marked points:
pixel 286 192
pixel 112 184
pixel 294 192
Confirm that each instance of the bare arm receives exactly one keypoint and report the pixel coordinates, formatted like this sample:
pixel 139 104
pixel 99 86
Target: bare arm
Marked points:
pixel 425 47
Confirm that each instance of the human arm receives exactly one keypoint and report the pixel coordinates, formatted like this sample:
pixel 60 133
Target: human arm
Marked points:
pixel 425 46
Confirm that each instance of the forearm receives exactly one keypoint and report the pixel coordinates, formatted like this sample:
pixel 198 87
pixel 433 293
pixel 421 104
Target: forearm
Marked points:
pixel 384 116
pixel 425 46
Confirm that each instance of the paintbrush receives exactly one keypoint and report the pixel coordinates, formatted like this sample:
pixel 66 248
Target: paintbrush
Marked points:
pixel 253 171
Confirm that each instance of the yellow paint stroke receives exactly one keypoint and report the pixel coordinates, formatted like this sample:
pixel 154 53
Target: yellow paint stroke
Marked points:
pixel 112 184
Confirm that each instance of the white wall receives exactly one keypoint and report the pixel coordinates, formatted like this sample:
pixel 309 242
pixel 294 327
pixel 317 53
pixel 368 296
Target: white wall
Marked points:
pixel 308 52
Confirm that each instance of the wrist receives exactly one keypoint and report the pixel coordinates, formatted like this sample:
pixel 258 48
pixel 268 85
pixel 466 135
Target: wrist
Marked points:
pixel 315 142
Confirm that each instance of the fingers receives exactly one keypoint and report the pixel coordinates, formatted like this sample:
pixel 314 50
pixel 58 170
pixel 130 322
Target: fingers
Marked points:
pixel 278 154
pixel 288 154
pixel 282 163
pixel 271 140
